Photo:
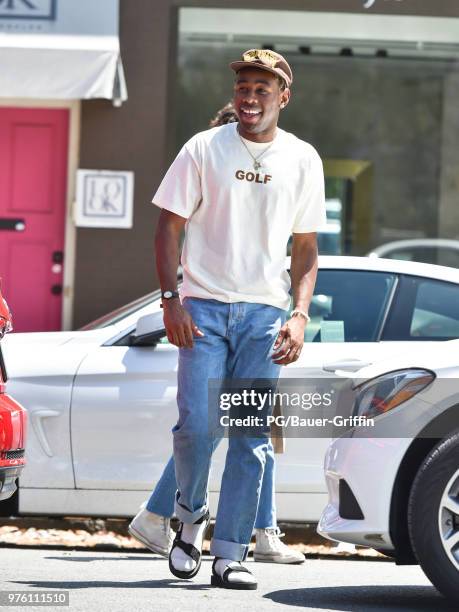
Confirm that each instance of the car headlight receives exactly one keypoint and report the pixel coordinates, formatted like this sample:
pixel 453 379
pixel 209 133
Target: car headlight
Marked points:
pixel 388 391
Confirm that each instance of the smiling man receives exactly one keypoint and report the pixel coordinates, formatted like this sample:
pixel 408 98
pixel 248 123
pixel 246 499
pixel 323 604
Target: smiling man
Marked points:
pixel 239 191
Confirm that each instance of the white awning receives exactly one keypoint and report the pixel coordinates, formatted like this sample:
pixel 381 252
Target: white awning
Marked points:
pixel 67 66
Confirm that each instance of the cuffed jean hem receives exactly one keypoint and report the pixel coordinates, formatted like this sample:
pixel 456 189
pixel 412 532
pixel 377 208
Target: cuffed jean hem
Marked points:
pixel 228 550
pixel 186 516
pixel 263 527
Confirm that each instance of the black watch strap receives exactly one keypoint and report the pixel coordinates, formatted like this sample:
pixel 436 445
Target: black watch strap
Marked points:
pixel 169 295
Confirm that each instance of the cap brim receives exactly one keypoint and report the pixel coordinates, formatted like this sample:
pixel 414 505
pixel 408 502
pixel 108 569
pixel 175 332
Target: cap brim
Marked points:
pixel 239 65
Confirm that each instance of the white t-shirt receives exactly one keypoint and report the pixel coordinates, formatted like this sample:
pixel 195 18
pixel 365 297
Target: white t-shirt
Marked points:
pixel 239 219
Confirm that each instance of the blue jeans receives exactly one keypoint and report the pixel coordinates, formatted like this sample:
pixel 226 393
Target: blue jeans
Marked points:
pixel 237 344
pixel 162 500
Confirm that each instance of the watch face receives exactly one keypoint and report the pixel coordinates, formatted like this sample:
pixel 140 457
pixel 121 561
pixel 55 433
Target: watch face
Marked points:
pixel 167 294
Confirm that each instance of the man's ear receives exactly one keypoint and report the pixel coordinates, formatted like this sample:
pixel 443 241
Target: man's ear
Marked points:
pixel 285 97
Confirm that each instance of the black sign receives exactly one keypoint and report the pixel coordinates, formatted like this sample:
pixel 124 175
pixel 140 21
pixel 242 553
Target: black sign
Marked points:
pixel 28 9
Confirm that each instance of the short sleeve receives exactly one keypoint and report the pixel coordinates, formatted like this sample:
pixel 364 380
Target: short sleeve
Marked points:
pixel 311 215
pixel 180 189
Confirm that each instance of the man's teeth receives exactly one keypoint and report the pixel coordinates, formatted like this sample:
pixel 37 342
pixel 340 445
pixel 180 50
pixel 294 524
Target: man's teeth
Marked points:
pixel 250 112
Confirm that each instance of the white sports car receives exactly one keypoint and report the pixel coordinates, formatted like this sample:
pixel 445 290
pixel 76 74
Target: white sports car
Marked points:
pixel 395 486
pixel 101 400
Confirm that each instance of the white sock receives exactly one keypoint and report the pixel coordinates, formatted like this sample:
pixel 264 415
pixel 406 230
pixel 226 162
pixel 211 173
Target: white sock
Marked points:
pixel 223 564
pixel 192 534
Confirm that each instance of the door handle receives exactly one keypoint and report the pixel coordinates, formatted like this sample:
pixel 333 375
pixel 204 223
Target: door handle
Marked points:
pixel 56 289
pixel 347 365
pixel 12 225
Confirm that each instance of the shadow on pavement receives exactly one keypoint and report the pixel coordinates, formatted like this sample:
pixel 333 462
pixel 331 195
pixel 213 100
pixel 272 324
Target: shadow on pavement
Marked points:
pixel 395 598
pixel 107 584
pixel 120 558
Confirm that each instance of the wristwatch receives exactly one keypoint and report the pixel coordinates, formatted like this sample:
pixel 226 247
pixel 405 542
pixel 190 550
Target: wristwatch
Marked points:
pixel 169 295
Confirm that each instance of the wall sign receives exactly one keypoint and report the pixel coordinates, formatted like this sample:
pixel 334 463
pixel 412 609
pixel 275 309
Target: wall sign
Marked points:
pixel 105 198
pixel 74 17
pixel 28 9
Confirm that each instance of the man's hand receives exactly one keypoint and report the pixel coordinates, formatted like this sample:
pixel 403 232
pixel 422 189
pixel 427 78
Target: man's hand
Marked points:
pixel 289 342
pixel 180 327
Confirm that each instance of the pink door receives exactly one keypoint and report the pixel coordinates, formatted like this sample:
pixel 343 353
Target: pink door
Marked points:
pixel 33 185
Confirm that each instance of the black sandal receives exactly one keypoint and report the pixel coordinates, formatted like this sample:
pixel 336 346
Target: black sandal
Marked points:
pixel 224 583
pixel 188 549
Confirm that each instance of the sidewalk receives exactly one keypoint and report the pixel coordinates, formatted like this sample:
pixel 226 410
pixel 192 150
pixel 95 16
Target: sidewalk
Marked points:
pixel 111 534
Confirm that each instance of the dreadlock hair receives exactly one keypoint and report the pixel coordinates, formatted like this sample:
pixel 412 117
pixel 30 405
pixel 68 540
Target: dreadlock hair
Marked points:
pixel 225 115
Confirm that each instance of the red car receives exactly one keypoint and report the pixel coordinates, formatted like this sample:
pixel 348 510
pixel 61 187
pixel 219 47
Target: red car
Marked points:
pixel 13 422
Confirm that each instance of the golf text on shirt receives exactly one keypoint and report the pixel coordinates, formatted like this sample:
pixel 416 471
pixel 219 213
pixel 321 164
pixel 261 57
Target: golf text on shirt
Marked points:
pixel 251 176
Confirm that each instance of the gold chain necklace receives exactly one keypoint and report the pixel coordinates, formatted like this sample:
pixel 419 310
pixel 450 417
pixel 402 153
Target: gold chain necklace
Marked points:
pixel 256 163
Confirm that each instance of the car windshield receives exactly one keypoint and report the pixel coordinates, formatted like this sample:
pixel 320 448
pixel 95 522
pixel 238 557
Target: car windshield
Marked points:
pixel 121 313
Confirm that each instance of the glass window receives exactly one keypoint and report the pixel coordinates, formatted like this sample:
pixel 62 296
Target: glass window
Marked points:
pixel 403 254
pixel 348 306
pixel 330 239
pixel 442 256
pixel 448 257
pixel 436 311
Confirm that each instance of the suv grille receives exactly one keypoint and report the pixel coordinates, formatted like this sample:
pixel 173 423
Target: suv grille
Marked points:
pixel 13 454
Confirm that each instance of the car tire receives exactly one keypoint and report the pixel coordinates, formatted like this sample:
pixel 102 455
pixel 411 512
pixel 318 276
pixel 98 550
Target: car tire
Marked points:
pixel 433 516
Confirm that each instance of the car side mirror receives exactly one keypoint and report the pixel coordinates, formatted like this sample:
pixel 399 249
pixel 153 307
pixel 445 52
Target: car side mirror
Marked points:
pixel 148 331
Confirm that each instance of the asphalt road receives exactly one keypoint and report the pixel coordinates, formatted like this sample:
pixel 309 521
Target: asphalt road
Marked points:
pixel 99 581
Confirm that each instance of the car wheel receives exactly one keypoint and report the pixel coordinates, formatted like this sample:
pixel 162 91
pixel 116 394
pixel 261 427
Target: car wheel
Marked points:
pixel 433 516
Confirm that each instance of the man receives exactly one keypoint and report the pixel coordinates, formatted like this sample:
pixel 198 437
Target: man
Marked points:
pixel 151 525
pixel 239 191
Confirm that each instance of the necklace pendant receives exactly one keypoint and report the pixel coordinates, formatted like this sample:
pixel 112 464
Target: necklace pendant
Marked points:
pixel 256 165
